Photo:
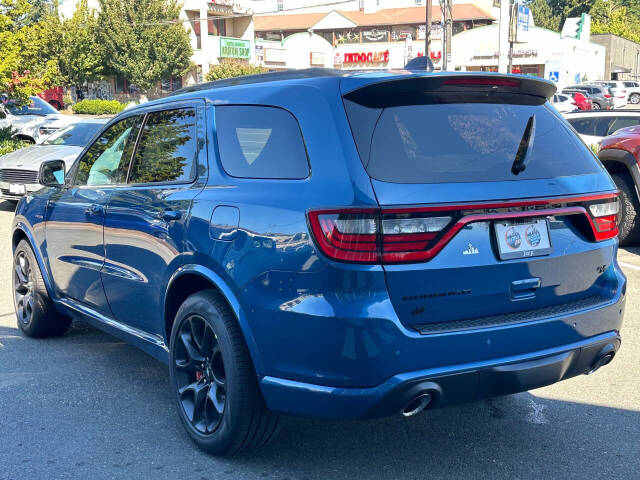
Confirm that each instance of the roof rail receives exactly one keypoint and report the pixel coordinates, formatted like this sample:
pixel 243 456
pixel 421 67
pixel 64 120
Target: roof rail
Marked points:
pixel 263 78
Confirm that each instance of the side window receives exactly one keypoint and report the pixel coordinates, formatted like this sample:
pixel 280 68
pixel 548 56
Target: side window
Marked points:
pixel 622 122
pixel 602 126
pixel 167 148
pixel 584 126
pixel 260 142
pixel 107 160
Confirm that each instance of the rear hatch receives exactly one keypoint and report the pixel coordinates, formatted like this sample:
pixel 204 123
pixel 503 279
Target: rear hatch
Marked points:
pixel 489 204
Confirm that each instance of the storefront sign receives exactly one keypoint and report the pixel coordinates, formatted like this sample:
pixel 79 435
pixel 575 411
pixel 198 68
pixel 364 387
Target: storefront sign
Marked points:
pixel 375 35
pixel 436 32
pixel 275 55
pixel 529 53
pixel 366 57
pixel 402 33
pixel 227 7
pixel 259 53
pixel 234 48
pixel 316 59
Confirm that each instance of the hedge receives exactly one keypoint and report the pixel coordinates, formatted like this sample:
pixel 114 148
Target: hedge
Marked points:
pixel 7 142
pixel 232 68
pixel 98 107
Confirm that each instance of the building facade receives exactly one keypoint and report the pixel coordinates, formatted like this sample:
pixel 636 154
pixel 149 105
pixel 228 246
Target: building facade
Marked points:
pixel 546 54
pixel 622 59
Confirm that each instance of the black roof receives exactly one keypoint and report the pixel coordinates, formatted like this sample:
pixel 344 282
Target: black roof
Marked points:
pixel 265 77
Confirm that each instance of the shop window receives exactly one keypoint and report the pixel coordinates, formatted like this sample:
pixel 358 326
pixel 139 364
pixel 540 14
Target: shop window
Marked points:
pixel 217 26
pixel 171 84
pixel 260 142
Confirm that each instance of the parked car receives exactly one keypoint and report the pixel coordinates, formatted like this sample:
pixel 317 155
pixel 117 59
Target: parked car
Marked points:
pixel 633 89
pixel 582 99
pixel 600 95
pixel 339 245
pixel 593 126
pixel 28 119
pixel 563 103
pixel 618 90
pixel 620 154
pixel 19 169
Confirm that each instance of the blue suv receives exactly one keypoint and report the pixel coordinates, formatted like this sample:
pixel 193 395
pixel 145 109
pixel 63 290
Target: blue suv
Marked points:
pixel 332 244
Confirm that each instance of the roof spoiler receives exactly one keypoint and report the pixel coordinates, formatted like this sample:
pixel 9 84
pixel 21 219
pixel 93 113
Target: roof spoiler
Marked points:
pixel 450 86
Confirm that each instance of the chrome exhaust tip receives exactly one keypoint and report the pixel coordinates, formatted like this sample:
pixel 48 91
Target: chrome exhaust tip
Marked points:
pixel 416 405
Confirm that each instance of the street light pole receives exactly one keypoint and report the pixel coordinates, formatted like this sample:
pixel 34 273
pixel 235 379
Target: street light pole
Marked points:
pixel 427 33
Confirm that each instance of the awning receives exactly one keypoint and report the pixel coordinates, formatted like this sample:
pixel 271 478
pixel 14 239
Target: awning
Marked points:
pixel 619 69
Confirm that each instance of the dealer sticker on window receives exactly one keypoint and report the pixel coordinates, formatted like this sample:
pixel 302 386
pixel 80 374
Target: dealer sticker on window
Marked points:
pixel 522 239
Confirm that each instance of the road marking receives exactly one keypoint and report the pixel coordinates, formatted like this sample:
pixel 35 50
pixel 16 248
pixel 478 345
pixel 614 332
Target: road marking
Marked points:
pixel 629 265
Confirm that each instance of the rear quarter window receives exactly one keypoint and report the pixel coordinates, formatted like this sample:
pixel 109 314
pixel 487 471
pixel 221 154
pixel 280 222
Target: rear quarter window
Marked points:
pixel 260 142
pixel 464 142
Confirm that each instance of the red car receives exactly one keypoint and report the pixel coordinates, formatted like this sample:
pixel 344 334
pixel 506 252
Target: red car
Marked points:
pixel 620 154
pixel 582 100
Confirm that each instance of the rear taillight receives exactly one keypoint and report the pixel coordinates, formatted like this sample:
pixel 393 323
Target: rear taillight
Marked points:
pixel 606 95
pixel 604 219
pixel 373 236
pixel 416 234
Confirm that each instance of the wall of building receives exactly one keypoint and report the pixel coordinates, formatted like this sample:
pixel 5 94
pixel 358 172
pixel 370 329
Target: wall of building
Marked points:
pixel 619 52
pixel 300 50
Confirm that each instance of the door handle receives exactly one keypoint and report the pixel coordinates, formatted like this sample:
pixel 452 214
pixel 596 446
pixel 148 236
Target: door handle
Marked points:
pixel 171 215
pixel 521 289
pixel 94 209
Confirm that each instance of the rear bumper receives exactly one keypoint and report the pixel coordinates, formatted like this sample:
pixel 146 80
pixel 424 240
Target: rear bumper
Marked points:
pixel 448 385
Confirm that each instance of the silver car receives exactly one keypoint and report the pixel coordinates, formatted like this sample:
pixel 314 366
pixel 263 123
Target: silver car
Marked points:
pixel 19 169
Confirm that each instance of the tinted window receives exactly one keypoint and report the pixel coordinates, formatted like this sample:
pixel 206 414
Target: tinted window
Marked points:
pixel 584 126
pixel 260 142
pixel 466 142
pixel 107 160
pixel 622 122
pixel 36 106
pixel 167 148
pixel 77 134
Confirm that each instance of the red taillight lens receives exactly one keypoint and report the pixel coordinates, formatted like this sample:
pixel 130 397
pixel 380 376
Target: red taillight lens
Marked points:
pixel 348 235
pixel 606 95
pixel 604 219
pixel 372 236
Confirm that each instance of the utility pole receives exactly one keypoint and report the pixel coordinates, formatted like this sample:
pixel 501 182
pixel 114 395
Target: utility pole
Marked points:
pixel 427 33
pixel 503 44
pixel 445 36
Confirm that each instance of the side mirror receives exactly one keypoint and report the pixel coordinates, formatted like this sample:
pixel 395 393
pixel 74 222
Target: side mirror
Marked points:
pixel 52 173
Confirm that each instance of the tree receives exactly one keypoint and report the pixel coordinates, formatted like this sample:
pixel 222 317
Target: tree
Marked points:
pixel 143 40
pixel 543 15
pixel 232 68
pixel 618 18
pixel 82 56
pixel 23 71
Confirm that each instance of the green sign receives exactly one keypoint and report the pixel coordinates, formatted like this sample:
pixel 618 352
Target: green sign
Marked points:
pixel 234 48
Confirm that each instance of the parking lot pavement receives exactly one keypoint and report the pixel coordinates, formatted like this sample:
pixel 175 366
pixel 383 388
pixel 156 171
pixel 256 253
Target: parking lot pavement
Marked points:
pixel 90 406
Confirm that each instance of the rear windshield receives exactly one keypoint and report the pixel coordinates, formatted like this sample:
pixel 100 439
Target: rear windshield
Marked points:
pixel 464 142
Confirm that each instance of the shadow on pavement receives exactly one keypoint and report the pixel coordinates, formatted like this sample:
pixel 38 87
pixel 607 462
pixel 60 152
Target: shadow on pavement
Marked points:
pixel 8 206
pixel 133 427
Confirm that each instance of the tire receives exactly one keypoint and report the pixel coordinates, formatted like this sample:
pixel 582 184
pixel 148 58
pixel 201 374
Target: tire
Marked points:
pixel 634 98
pixel 629 223
pixel 595 106
pixel 35 313
pixel 213 380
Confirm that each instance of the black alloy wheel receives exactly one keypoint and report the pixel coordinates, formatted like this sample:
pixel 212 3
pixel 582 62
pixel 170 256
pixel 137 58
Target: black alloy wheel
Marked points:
pixel 23 288
pixel 200 375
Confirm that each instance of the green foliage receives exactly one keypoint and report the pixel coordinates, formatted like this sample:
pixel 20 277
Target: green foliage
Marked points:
pixel 143 40
pixel 7 142
pixel 26 46
pixel 617 17
pixel 98 107
pixel 543 15
pixel 232 68
pixel 82 57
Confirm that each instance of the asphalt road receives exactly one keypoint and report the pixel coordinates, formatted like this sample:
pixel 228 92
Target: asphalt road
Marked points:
pixel 87 405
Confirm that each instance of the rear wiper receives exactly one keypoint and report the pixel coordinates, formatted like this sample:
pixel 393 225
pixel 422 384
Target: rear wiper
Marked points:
pixel 520 162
